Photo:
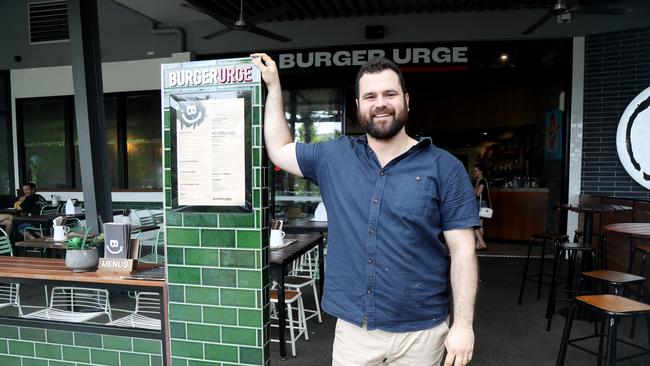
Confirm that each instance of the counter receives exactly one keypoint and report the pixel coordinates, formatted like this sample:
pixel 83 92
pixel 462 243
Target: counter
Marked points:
pixel 518 212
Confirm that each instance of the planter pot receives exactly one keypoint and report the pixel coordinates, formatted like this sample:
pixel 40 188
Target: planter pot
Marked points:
pixel 82 260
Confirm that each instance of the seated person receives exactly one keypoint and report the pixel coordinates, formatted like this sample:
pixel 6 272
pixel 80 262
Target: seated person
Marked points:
pixel 31 205
pixel 7 220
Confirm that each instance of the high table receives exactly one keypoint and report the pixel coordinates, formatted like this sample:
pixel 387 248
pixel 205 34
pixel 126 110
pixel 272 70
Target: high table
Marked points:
pixel 280 263
pixel 589 211
pixel 304 226
pixel 45 221
pixel 632 230
pixel 53 272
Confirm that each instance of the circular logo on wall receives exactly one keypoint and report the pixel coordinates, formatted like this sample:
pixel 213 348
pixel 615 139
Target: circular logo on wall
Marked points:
pixel 633 139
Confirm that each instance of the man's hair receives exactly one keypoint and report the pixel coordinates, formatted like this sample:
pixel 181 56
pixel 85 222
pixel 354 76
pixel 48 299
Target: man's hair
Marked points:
pixel 379 64
pixel 480 167
pixel 31 184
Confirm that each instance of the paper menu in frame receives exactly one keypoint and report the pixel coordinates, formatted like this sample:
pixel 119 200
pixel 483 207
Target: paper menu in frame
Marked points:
pixel 210 151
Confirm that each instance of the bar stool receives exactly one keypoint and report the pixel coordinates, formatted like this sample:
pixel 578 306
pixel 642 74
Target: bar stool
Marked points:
pixel 644 249
pixel 612 308
pixel 539 239
pixel 571 250
pixel 292 297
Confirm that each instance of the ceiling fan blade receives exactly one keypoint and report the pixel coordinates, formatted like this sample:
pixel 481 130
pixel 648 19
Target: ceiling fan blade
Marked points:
pixel 539 22
pixel 217 33
pixel 599 10
pixel 267 34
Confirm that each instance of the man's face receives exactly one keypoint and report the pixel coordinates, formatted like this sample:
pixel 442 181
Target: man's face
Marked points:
pixel 382 107
pixel 27 190
pixel 477 173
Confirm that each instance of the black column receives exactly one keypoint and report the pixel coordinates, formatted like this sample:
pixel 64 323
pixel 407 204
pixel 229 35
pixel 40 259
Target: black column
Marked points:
pixel 89 110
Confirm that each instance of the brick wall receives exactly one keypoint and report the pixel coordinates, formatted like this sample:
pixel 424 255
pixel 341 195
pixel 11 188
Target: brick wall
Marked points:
pixel 218 273
pixel 617 68
pixel 22 346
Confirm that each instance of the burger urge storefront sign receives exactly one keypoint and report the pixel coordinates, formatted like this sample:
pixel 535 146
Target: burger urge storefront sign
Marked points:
pixel 446 57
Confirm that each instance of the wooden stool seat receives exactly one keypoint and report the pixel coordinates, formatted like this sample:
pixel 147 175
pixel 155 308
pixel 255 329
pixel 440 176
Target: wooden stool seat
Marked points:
pixel 288 295
pixel 614 277
pixel 614 304
pixel 575 246
pixel 645 248
pixel 550 236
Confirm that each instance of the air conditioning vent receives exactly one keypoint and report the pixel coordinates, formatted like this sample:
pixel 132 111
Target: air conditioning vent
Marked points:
pixel 48 22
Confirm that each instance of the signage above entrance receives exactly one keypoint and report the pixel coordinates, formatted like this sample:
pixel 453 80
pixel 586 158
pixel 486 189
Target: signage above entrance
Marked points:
pixel 357 57
pixel 632 139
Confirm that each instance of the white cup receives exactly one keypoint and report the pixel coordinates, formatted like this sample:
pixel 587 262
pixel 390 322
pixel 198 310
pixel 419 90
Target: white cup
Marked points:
pixel 60 233
pixel 277 237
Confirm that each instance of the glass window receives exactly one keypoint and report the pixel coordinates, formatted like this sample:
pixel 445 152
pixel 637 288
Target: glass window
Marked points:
pixel 6 154
pixel 43 129
pixel 314 115
pixel 112 144
pixel 144 142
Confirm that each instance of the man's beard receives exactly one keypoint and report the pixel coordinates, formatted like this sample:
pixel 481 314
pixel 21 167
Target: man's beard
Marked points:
pixel 374 129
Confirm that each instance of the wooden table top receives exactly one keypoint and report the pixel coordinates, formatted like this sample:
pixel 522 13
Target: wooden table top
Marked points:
pixel 304 226
pixel 635 229
pixel 289 253
pixel 595 208
pixel 55 270
pixel 8 210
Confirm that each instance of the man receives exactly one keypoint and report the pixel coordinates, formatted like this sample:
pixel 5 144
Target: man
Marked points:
pixel 31 205
pixel 389 197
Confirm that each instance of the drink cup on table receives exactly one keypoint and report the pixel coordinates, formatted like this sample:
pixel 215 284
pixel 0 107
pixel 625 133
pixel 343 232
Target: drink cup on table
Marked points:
pixel 60 233
pixel 277 238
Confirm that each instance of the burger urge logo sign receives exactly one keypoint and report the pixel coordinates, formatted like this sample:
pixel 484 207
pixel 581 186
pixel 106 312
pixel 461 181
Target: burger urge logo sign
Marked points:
pixel 633 139
pixel 192 114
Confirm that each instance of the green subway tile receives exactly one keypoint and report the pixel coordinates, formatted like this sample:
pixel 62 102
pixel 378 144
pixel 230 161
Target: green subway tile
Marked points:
pixel 101 357
pixel 173 219
pixel 88 340
pixel 7 331
pixel 201 257
pixel 33 334
pixel 176 293
pixel 238 258
pixel 76 354
pixel 117 343
pixel 4 348
pixel 248 239
pixel 135 359
pixel 175 256
pixel 220 353
pixel 239 336
pixel 249 279
pixel 187 349
pixel 33 362
pixel 177 330
pixel 166 120
pixel 244 298
pixel 183 275
pixel 203 363
pixel 179 361
pixel 168 161
pixel 257 157
pixel 219 277
pixel 250 318
pixel 257 178
pixel 219 315
pixel 200 219
pixel 190 313
pixel 237 220
pixel 250 355
pixel 61 363
pixel 168 196
pixel 256 198
pixel 48 351
pixel 21 348
pixel 6 360
pixel 155 361
pixel 256 115
pixel 166 135
pixel 182 237
pixel 202 295
pixel 199 332
pixel 146 346
pixel 168 176
pixel 59 336
pixel 217 238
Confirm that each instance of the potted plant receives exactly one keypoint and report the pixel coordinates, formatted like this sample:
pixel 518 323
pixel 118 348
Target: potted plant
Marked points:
pixel 82 255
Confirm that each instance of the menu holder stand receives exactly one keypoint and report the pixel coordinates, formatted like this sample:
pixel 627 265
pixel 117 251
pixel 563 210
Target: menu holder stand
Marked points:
pixel 120 265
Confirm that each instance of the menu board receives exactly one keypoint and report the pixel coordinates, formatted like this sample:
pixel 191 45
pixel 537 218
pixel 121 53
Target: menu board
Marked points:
pixel 209 108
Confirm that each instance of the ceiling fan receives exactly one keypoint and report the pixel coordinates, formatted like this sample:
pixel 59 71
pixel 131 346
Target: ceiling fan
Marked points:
pixel 566 7
pixel 240 24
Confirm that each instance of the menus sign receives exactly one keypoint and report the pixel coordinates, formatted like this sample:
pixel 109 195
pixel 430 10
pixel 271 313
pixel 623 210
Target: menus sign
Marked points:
pixel 209 108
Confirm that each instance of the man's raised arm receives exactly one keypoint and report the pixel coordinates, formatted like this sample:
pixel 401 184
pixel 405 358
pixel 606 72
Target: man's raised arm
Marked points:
pixel 277 137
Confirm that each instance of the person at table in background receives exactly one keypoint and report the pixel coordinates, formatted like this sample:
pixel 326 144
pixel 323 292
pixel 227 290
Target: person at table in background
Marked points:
pixel 388 274
pixel 479 188
pixel 7 220
pixel 31 205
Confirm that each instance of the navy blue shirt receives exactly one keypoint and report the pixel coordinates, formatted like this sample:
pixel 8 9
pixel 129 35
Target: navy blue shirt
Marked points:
pixel 385 259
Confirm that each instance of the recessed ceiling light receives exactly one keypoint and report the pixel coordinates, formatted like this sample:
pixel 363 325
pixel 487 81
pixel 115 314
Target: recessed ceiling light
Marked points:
pixel 504 57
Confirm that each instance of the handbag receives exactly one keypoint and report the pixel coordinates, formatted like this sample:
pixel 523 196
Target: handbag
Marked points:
pixel 486 212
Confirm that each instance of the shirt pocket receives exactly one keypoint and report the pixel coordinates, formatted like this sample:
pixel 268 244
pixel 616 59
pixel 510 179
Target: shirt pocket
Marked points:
pixel 415 195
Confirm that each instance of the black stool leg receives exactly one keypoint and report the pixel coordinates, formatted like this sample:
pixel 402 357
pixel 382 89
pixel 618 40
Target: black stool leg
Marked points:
pixel 631 262
pixel 611 341
pixel 550 307
pixel 601 338
pixel 541 270
pixel 603 252
pixel 523 279
pixel 565 336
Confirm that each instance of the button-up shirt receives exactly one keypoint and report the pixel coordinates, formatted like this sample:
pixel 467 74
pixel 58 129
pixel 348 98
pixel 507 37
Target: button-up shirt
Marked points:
pixel 386 263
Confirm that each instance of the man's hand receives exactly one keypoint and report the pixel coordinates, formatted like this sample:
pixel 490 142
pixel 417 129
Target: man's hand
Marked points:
pixel 459 345
pixel 268 68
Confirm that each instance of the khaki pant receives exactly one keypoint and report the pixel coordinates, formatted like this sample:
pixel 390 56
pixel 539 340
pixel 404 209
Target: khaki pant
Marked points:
pixel 356 346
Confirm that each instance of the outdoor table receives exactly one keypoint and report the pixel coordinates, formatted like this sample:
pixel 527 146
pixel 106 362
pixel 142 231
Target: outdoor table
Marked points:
pixel 45 221
pixel 280 263
pixel 304 227
pixel 8 210
pixel 589 211
pixel 53 272
pixel 632 230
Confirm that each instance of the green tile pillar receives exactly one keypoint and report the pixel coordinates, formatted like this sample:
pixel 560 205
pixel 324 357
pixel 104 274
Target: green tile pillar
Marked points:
pixel 217 269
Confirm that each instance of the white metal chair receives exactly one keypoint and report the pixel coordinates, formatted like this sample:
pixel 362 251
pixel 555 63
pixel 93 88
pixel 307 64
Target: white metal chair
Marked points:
pixel 305 273
pixel 145 303
pixel 9 293
pixel 75 304
pixel 291 297
pixel 45 210
pixel 154 257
